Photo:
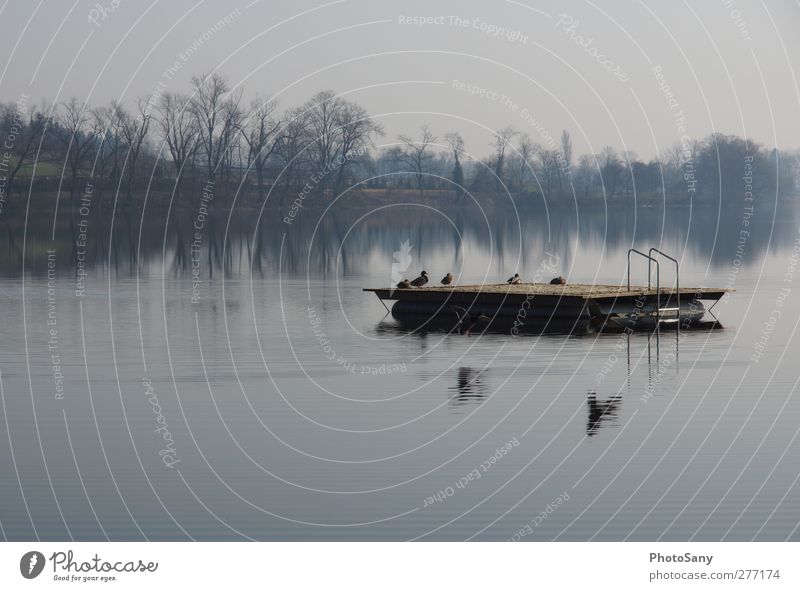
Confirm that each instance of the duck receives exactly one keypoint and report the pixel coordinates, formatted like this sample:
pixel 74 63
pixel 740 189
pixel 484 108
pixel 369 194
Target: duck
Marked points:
pixel 404 284
pixel 467 320
pixel 447 279
pixel 558 281
pixel 421 280
pixel 515 279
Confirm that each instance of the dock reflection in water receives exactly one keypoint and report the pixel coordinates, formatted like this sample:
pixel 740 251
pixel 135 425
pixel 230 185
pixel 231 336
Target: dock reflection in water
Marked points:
pixel 601 411
pixel 604 412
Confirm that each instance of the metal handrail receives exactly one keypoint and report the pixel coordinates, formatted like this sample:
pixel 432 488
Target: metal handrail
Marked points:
pixel 651 260
pixel 677 279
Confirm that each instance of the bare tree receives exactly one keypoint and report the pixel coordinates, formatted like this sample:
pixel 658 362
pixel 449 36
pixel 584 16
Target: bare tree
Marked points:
pixel 672 166
pixel 416 156
pixel 586 174
pixel 526 151
pixel 611 171
pixel 261 136
pixel 218 117
pixel 502 139
pixel 22 131
pixel 356 129
pixel 231 135
pixel 292 143
pixel 106 128
pixel 338 131
pixel 178 128
pixel 134 131
pixel 548 171
pixel 74 132
pixel 673 156
pixel 456 143
pixel 322 121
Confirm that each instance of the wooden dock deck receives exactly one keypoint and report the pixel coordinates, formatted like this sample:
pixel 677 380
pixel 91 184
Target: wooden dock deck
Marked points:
pixel 504 291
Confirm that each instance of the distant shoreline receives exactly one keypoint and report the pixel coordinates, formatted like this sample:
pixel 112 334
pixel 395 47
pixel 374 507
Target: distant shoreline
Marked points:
pixel 360 199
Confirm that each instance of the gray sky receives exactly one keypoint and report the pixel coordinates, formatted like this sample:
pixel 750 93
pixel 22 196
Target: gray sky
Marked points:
pixel 732 65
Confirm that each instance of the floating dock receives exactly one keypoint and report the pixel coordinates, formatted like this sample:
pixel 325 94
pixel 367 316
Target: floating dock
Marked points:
pixel 570 308
pixel 533 307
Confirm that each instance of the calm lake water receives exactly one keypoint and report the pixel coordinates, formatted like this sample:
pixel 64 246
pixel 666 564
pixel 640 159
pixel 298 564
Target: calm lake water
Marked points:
pixel 252 390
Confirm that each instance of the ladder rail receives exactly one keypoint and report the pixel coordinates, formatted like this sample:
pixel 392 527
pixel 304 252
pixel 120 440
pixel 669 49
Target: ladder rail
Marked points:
pixel 650 261
pixel 677 278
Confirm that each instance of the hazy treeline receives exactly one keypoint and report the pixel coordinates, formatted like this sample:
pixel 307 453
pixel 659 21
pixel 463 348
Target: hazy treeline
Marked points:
pixel 173 143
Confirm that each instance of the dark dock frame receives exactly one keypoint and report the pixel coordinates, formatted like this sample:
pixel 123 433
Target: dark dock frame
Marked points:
pixel 603 307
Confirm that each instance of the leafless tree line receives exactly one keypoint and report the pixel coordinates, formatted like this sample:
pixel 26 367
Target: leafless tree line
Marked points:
pixel 211 136
pixel 720 165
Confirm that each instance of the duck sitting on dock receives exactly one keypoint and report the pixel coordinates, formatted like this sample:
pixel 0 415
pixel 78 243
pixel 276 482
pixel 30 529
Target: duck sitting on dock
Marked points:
pixel 421 280
pixel 558 281
pixel 467 321
pixel 447 279
pixel 404 284
pixel 515 280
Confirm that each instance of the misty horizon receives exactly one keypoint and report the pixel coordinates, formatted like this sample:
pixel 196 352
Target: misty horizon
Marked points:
pixel 429 53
